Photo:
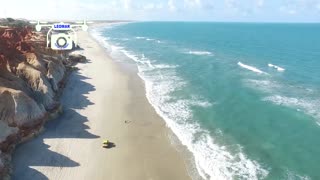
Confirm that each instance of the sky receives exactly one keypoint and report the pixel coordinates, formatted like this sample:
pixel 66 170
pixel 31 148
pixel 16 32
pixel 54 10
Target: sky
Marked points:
pixel 165 10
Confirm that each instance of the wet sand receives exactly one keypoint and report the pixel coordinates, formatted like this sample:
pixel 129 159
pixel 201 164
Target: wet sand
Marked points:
pixel 97 101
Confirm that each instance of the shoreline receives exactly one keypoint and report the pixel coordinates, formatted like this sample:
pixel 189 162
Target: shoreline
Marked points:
pixel 142 147
pixel 137 84
pixel 130 68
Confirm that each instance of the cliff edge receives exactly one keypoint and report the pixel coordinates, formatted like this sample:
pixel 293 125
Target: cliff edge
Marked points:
pixel 31 78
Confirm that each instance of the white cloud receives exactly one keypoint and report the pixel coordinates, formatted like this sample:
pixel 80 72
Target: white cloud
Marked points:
pixel 171 5
pixel 127 4
pixel 152 6
pixel 292 11
pixel 244 8
pixel 231 6
pixel 318 7
pixel 300 6
pixel 260 3
pixel 288 10
pixel 193 4
pixel 249 4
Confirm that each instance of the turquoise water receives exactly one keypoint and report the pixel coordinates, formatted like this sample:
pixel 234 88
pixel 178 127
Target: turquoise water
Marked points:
pixel 243 98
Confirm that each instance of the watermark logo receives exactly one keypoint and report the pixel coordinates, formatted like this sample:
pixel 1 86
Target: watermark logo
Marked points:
pixel 61 36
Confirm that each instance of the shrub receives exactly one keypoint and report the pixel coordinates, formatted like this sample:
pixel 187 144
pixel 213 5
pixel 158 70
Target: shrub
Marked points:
pixel 10 20
pixel 14 23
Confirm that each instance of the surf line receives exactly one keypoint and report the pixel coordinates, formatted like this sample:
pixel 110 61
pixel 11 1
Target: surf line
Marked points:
pixel 251 68
pixel 276 67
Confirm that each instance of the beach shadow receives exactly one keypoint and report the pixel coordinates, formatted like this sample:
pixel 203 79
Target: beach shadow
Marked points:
pixel 74 96
pixel 77 48
pixel 87 61
pixel 31 173
pixel 70 124
pixel 36 153
pixel 110 145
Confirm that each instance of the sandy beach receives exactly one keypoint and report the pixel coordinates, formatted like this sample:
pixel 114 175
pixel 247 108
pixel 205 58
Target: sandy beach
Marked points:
pixel 97 101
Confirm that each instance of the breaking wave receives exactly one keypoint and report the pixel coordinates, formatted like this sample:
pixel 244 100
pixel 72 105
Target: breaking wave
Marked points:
pixel 308 106
pixel 302 99
pixel 140 37
pixel 251 68
pixel 148 39
pixel 212 161
pixel 276 67
pixel 200 53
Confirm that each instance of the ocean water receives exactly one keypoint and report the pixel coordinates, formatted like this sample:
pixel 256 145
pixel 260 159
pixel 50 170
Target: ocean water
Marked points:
pixel 243 98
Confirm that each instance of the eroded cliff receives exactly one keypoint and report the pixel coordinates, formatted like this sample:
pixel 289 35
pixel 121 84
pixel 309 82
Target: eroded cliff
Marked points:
pixel 30 79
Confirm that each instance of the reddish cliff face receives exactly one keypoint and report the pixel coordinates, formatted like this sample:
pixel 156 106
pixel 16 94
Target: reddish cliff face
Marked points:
pixel 29 81
pixel 13 35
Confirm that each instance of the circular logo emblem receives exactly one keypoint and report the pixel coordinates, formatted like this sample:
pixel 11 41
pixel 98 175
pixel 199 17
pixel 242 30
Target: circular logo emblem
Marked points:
pixel 61 42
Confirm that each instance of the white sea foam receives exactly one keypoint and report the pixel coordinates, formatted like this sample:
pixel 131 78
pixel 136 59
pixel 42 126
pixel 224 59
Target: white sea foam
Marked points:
pixel 270 65
pixel 153 40
pixel 140 37
pixel 293 176
pixel 280 69
pixel 304 100
pixel 165 66
pixel 145 64
pixel 276 67
pixel 131 56
pixel 124 39
pixel 97 34
pixel 200 53
pixel 308 106
pixel 266 85
pixel 251 68
pixel 149 39
pixel 116 48
pixel 272 86
pixel 212 161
